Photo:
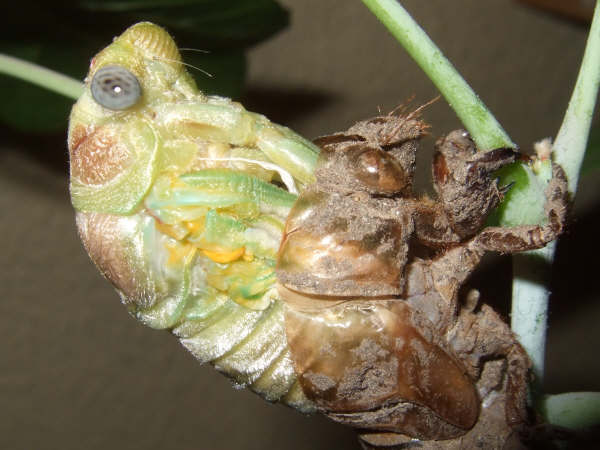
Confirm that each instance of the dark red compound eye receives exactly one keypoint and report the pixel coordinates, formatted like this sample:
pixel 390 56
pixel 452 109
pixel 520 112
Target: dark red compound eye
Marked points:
pixel 379 171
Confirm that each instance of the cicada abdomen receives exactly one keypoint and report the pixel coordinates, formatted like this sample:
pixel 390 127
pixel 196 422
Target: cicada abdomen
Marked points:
pixel 168 286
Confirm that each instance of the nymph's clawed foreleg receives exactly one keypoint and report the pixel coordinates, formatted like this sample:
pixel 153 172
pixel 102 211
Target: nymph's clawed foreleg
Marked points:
pixel 467 192
pixel 529 237
pixel 462 179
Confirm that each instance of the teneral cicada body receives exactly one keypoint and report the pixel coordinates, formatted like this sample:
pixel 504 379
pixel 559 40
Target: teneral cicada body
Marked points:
pixel 320 281
pixel 180 205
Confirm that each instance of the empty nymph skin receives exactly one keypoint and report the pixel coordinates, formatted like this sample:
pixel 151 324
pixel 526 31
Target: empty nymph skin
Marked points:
pixel 307 272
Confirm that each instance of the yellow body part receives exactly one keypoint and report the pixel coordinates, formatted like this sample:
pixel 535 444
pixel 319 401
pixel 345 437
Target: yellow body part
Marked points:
pixel 225 257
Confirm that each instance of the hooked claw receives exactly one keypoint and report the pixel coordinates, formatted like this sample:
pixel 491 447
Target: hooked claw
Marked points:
pixel 495 159
pixel 504 189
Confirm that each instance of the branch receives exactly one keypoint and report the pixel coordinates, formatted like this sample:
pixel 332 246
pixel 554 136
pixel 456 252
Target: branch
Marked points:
pixel 485 130
pixel 573 410
pixel 530 291
pixel 41 76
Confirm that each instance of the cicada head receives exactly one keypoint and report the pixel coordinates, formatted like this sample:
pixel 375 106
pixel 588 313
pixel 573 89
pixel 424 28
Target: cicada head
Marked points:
pixel 150 54
pixel 376 156
pixel 114 141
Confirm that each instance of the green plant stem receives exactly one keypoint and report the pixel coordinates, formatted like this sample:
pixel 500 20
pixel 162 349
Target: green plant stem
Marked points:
pixel 529 309
pixel 41 76
pixel 485 130
pixel 531 270
pixel 571 140
pixel 573 410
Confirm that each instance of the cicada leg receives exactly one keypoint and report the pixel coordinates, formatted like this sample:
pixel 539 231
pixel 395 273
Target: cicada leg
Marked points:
pixel 221 120
pixel 529 237
pixel 493 356
pixel 288 149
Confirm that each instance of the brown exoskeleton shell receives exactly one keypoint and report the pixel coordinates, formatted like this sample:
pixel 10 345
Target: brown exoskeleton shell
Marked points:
pixel 376 356
pixel 348 233
pixel 332 247
pixel 379 337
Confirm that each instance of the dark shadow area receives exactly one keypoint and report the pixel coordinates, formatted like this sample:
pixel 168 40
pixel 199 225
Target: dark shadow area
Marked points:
pixel 576 264
pixel 577 11
pixel 573 307
pixel 47 149
pixel 283 104
pixel 493 280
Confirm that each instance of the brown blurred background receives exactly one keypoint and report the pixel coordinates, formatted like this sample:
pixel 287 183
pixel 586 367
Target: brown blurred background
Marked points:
pixel 76 372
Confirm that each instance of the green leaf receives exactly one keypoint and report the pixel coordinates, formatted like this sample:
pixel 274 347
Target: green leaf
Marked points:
pixel 129 5
pixel 211 23
pixel 30 32
pixel 30 108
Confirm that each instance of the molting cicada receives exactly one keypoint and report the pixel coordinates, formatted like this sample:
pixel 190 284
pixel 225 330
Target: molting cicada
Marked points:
pixel 308 272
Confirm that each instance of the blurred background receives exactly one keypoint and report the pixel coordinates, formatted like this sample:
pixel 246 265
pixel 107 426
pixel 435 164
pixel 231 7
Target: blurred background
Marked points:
pixel 76 372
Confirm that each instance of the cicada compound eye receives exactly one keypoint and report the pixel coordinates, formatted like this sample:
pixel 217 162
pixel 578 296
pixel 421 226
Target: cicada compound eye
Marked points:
pixel 116 88
pixel 379 171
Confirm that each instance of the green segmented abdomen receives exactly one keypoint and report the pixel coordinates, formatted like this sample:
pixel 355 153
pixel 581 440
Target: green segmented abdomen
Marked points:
pixel 210 278
pixel 248 346
pixel 251 348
